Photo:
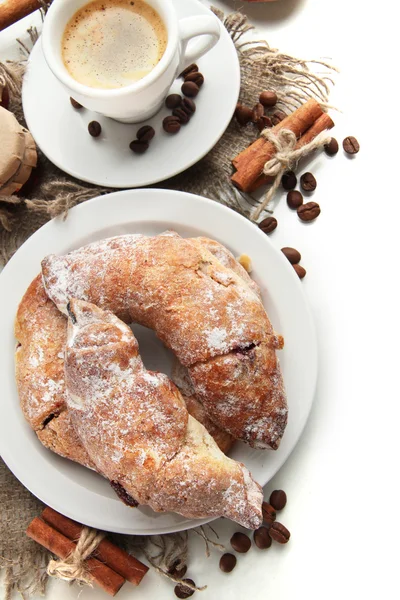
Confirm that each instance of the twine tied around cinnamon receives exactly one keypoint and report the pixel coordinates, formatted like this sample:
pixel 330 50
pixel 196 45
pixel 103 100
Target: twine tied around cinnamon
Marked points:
pixel 285 158
pixel 73 567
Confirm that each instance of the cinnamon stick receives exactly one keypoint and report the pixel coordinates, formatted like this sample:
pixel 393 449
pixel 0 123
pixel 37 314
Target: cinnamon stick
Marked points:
pixel 12 11
pixel 120 561
pixel 250 162
pixel 62 547
pixel 321 124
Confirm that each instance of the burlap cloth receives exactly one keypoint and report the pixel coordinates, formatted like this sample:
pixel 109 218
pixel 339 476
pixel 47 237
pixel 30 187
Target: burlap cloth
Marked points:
pixel 51 192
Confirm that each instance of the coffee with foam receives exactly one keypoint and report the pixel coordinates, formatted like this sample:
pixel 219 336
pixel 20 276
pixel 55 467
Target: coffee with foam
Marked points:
pixel 113 43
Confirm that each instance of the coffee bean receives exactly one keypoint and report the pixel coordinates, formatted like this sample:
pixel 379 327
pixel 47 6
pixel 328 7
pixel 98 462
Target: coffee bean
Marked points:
pixel 301 272
pixel 189 69
pixel 139 146
pixel 182 591
pixel 94 128
pixel 171 124
pixel 268 98
pixel 351 145
pixel 289 180
pixel 332 147
pixel 188 106
pixel 240 542
pixel 176 571
pixel 145 133
pixel 243 114
pixel 190 89
pixel 293 257
pixel 262 539
pixel 75 104
pixel 173 100
pixel 294 199
pixel 308 183
pixel 268 512
pixel 227 563
pixel 183 117
pixel 268 225
pixel 308 211
pixel 196 77
pixel 278 498
pixel 278 116
pixel 258 112
pixel 263 122
pixel 279 533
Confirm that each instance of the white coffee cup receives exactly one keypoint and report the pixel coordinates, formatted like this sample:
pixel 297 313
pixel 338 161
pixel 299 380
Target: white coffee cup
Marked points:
pixel 142 99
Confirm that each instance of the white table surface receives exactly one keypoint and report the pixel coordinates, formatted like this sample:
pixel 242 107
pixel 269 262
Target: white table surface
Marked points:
pixel 342 479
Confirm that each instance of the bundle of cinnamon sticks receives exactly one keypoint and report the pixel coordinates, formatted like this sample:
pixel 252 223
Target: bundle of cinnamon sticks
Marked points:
pixel 109 566
pixel 306 123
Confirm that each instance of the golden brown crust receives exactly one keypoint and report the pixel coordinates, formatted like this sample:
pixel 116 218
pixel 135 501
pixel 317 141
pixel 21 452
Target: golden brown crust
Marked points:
pixel 41 331
pixel 198 307
pixel 136 429
pixel 244 385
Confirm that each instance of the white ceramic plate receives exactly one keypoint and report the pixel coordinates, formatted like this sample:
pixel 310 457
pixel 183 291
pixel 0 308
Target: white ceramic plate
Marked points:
pixel 60 131
pixel 77 492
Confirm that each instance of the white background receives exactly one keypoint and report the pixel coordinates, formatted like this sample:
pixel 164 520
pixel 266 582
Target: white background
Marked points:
pixel 342 479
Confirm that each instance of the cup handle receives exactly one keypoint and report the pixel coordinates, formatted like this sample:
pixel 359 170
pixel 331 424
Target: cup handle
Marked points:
pixel 191 27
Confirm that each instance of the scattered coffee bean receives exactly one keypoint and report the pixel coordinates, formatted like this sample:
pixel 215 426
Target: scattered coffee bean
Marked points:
pixel 308 183
pixel 139 146
pixel 293 257
pixel 190 89
pixel 145 133
pixel 332 147
pixel 308 211
pixel 75 104
pixel 258 112
pixel 294 199
pixel 188 106
pixel 182 115
pixel 189 69
pixel 243 114
pixel 263 122
pixel 94 128
pixel 177 571
pixel 262 539
pixel 173 100
pixel 301 272
pixel 227 563
pixel 268 98
pixel 268 512
pixel 171 124
pixel 5 98
pixel 240 542
pixel 279 533
pixel 351 145
pixel 278 116
pixel 196 77
pixel 278 498
pixel 268 225
pixel 182 591
pixel 289 180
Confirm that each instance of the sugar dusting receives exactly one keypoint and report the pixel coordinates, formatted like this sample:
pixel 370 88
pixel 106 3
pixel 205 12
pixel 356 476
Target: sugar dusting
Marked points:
pixel 136 429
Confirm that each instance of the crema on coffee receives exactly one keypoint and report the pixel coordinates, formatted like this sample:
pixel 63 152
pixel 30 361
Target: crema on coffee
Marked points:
pixel 113 43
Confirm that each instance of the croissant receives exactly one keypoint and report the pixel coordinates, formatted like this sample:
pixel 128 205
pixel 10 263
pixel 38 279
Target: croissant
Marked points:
pixel 135 428
pixel 210 317
pixel 41 331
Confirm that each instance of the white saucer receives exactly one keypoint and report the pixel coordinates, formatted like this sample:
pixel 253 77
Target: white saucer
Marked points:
pixel 82 494
pixel 61 131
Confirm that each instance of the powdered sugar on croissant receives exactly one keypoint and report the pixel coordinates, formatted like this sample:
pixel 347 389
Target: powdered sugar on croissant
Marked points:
pixel 134 425
pixel 207 313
